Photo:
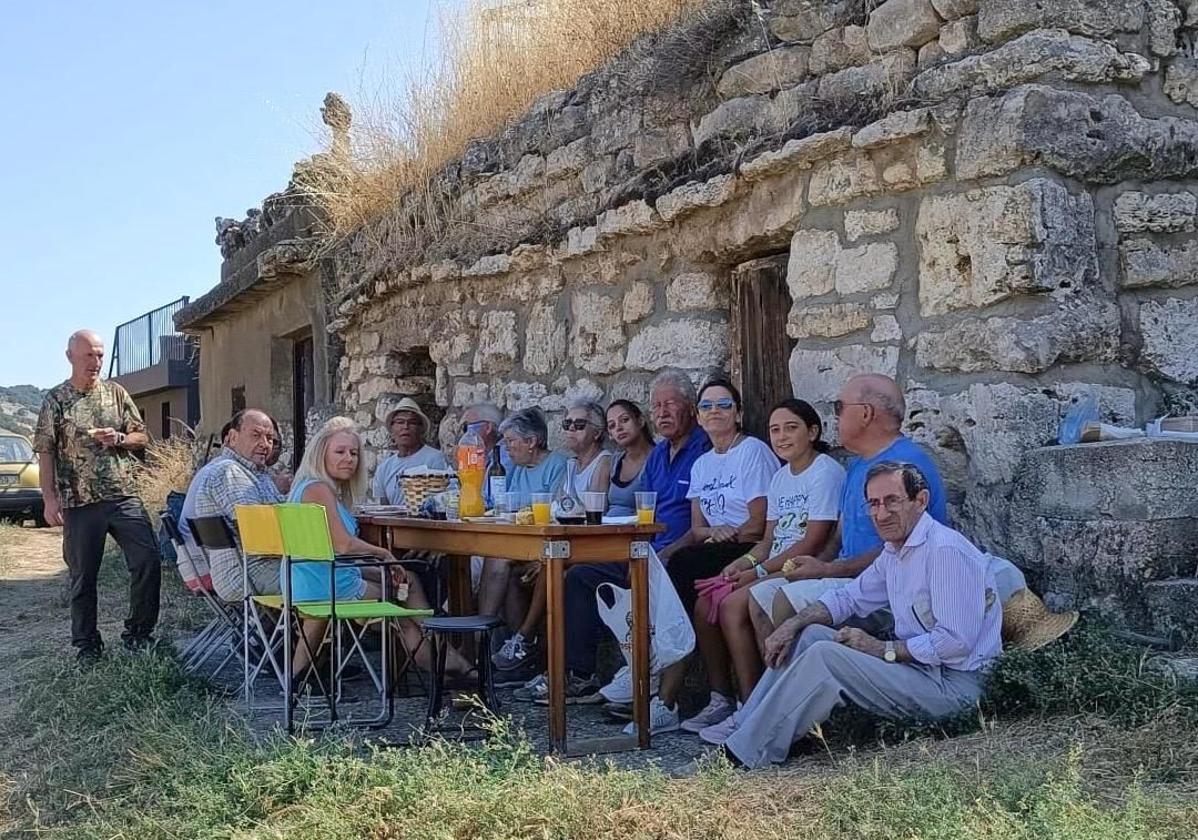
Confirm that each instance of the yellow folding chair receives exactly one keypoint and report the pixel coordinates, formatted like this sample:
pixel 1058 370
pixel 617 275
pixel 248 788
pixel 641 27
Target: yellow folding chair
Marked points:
pixel 306 539
pixel 258 529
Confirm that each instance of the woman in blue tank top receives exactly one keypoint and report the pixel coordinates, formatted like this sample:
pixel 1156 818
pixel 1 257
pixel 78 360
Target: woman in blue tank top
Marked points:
pixel 331 475
pixel 628 428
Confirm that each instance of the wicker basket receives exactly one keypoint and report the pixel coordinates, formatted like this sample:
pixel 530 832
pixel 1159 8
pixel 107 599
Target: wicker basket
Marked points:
pixel 417 488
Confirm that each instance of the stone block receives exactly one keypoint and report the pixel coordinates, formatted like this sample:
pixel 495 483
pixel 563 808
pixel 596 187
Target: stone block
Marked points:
pixel 631 219
pixel 960 36
pixel 798 154
pixel 865 268
pixel 987 245
pixel 597 339
pixel 842 179
pixel 734 119
pixel 690 344
pixel 1181 80
pixel 886 328
pixel 692 196
pixel 884 79
pixel 638 302
pixel 581 241
pixel 1000 20
pixel 763 218
pixel 1173 607
pixel 544 339
pixel 1138 212
pixel 498 345
pixel 469 393
pixel 811 268
pixel 1027 58
pixel 829 321
pixel 817 375
pixel 902 23
pixel 778 68
pixel 1147 262
pixel 953 9
pixel 1082 329
pixel 616 130
pixel 930 54
pixel 861 223
pixel 802 21
pixel 893 128
pixel 659 145
pixel 1170 333
pixel 569 159
pixel 697 291
pixel 884 301
pixel 596 174
pixel 1101 140
pixel 839 48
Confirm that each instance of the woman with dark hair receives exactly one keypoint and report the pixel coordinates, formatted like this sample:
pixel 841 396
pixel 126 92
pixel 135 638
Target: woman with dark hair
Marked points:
pixel 802 510
pixel 628 428
pixel 728 491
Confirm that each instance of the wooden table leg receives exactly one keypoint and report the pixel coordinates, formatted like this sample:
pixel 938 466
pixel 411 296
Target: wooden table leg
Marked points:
pixel 638 568
pixel 461 598
pixel 555 606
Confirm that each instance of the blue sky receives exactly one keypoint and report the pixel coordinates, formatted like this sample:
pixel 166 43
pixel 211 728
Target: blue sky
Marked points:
pixel 127 127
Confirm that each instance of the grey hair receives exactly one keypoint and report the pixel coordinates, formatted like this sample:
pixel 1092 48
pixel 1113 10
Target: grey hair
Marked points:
pixel 913 478
pixel 595 414
pixel 676 379
pixel 889 403
pixel 488 412
pixel 528 423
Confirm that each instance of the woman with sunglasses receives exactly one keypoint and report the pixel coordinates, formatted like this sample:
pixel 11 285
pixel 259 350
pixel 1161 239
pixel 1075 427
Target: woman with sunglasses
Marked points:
pixel 803 506
pixel 629 430
pixel 728 492
pixel 585 428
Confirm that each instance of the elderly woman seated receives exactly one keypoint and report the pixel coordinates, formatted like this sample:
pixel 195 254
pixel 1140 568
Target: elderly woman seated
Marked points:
pixel 534 470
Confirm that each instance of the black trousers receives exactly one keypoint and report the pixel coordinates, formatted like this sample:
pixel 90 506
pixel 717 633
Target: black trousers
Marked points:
pixel 83 533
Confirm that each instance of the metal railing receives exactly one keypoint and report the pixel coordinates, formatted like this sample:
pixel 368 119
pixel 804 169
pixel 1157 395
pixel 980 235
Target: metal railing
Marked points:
pixel 149 339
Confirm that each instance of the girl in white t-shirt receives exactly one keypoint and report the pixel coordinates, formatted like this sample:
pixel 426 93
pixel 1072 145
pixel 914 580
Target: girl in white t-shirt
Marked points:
pixel 802 510
pixel 728 507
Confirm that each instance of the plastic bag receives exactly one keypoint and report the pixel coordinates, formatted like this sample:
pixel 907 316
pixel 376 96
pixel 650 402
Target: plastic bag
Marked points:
pixel 1083 412
pixel 671 636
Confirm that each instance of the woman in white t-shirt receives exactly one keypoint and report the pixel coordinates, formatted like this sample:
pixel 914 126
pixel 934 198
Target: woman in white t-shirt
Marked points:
pixel 728 491
pixel 803 507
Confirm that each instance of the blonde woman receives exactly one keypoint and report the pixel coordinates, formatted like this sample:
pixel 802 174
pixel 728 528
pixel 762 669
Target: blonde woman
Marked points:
pixel 331 475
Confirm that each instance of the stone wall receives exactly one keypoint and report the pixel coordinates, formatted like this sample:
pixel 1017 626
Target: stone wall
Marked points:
pixel 991 200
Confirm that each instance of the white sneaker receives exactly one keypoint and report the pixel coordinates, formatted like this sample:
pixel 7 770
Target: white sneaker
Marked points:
pixel 661 719
pixel 720 732
pixel 619 690
pixel 715 711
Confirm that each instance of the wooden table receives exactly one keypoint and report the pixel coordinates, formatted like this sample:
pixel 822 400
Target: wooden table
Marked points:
pixel 556 547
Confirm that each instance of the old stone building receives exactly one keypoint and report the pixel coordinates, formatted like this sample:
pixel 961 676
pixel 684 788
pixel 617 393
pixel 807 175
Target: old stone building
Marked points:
pixel 991 200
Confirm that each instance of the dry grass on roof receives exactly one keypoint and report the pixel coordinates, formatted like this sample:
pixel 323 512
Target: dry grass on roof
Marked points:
pixel 492 67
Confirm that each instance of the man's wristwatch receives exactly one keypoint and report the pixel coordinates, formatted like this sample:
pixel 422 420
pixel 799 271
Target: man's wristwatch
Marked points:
pixel 120 439
pixel 891 655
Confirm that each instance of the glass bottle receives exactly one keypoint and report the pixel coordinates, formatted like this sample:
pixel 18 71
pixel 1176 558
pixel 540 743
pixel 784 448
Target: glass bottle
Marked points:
pixel 570 510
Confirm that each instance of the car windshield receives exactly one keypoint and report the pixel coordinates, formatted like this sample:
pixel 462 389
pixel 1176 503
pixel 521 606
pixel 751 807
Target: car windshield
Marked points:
pixel 15 450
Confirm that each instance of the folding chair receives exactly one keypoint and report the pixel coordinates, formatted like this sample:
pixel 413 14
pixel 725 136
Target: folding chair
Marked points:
pixel 224 630
pixel 306 539
pixel 259 536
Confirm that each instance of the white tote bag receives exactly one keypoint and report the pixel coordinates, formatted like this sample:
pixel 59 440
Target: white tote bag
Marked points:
pixel 671 636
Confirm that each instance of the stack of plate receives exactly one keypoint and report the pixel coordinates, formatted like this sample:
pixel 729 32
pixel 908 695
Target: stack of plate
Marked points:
pixel 382 510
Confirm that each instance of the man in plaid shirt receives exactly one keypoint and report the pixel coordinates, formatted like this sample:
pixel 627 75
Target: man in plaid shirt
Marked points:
pixel 238 476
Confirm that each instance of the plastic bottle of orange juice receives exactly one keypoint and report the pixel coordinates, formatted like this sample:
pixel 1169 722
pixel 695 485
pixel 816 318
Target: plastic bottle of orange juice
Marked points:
pixel 472 472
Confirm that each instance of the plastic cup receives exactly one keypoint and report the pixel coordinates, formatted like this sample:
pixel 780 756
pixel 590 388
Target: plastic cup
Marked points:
pixel 505 506
pixel 646 508
pixel 541 503
pixel 595 503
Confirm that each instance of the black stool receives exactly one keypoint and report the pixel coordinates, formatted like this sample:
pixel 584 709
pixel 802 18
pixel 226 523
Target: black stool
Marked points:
pixel 438 629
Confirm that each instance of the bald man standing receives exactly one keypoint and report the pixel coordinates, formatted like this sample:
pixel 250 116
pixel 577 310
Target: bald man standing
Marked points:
pixel 86 434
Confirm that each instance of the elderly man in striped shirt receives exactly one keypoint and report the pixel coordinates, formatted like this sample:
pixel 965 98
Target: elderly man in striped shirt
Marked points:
pixel 947 621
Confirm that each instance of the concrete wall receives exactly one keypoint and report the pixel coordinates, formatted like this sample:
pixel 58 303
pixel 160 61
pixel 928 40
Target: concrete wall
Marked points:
pixel 251 348
pixel 150 406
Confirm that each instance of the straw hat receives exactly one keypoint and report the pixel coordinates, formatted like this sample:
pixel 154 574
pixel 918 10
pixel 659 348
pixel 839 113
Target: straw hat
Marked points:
pixel 408 404
pixel 1028 625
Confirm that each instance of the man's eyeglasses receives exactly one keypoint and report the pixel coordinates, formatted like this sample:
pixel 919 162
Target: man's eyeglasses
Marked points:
pixel 891 504
pixel 575 425
pixel 838 406
pixel 723 404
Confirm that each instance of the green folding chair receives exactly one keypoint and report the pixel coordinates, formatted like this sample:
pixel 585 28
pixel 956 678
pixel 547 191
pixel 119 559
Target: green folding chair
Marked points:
pixel 306 539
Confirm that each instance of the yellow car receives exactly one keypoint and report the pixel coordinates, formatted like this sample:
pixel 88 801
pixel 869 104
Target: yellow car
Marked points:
pixel 20 492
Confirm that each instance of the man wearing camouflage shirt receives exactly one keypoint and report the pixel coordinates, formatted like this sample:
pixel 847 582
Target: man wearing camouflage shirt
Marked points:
pixel 86 434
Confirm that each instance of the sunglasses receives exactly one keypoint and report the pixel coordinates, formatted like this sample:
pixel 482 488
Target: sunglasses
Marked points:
pixel 575 425
pixel 838 406
pixel 723 404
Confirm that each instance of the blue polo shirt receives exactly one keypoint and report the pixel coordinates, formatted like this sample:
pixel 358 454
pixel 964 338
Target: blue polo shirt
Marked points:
pixel 857 532
pixel 671 480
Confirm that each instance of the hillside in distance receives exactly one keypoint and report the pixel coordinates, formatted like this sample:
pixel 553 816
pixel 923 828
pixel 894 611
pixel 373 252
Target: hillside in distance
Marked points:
pixel 19 405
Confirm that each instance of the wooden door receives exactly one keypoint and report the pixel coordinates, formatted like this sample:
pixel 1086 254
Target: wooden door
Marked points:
pixel 761 348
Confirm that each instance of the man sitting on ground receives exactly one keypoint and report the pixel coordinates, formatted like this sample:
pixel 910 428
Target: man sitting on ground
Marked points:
pixel 238 476
pixel 947 629
pixel 409 427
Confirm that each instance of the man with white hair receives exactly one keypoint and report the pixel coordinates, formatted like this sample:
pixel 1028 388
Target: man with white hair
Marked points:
pixel 87 432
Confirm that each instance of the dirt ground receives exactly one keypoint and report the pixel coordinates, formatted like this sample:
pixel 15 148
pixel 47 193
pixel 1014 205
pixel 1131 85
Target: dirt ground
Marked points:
pixel 33 607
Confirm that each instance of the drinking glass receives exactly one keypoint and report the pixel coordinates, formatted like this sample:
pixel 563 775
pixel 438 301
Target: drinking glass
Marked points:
pixel 541 503
pixel 646 508
pixel 595 504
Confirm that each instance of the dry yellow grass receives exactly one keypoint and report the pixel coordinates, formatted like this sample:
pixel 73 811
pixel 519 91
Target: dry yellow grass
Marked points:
pixel 168 467
pixel 493 65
